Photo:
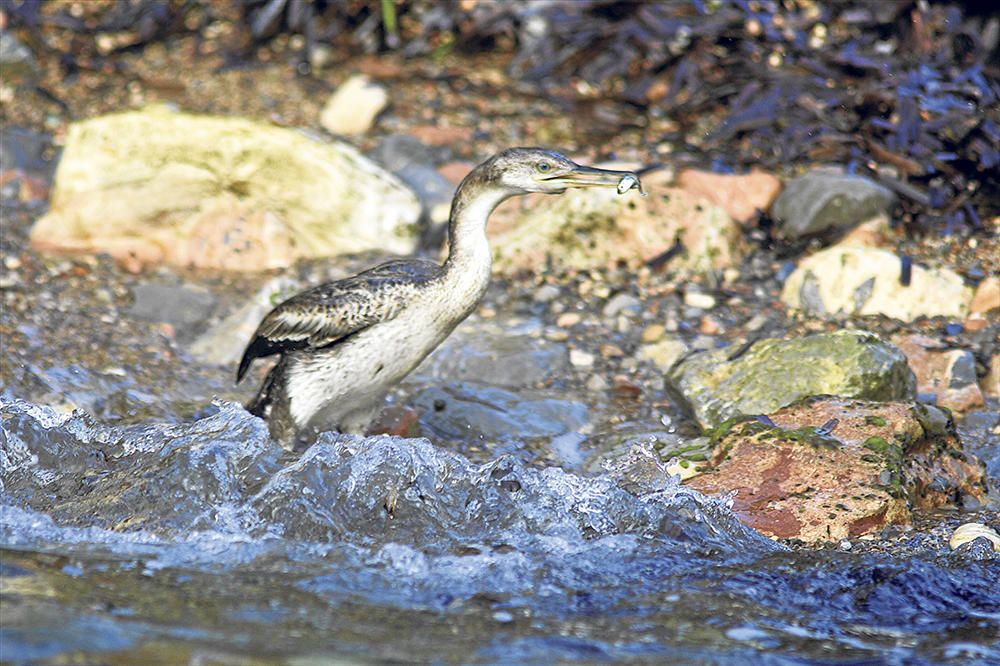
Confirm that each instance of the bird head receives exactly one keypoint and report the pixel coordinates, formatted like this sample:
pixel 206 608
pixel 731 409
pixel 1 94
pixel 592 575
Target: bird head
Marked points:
pixel 524 170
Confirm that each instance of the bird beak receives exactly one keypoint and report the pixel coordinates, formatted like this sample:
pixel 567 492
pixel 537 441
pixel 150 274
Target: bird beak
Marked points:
pixel 584 176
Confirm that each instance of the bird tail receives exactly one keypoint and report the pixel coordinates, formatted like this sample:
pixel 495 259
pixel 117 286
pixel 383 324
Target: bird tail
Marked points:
pixel 262 401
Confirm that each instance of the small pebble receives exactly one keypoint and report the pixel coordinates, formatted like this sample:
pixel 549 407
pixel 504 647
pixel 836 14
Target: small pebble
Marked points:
pixel 581 359
pixel 653 333
pixel 568 320
pixel 556 335
pixel 597 384
pixel 710 325
pixel 698 299
pixel 611 351
pixel 756 322
pixel 626 388
pixel 547 293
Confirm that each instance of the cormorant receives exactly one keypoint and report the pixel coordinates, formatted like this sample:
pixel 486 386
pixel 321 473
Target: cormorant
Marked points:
pixel 345 344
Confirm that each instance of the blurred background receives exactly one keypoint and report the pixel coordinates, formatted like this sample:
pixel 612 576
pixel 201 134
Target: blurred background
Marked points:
pixel 902 89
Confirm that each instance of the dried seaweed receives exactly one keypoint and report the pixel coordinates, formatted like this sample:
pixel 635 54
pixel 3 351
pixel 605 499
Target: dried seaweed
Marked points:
pixel 908 92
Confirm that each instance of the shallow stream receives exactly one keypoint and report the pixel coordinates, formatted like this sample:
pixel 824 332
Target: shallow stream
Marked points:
pixel 205 542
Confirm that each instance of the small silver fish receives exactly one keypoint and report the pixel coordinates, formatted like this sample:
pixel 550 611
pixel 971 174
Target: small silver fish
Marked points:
pixel 630 182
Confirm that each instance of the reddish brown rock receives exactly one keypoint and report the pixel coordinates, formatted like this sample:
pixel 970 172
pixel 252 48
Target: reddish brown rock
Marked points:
pixel 740 196
pixel 30 188
pixel 440 135
pixel 399 421
pixel 949 374
pixel 454 172
pixel 833 468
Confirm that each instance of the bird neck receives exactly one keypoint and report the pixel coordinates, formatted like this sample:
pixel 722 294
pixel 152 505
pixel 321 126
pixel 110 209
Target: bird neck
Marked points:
pixel 475 199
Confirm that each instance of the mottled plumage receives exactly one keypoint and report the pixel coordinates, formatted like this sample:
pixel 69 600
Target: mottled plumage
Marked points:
pixel 323 315
pixel 345 344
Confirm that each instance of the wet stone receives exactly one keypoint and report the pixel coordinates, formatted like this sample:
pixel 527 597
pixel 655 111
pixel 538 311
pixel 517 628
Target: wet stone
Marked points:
pixel 546 293
pixel 509 361
pixel 185 307
pixel 469 411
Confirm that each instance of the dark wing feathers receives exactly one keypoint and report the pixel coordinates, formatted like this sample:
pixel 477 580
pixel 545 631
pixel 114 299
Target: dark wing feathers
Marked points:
pixel 330 312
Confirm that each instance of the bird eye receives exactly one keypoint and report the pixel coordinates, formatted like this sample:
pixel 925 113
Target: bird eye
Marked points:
pixel 544 167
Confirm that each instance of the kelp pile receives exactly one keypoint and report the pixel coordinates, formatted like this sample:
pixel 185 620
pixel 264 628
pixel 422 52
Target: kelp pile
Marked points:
pixel 906 91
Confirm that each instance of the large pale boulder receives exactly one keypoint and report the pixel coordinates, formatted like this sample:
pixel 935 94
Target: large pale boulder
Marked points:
pixel 827 469
pixel 868 281
pixel 774 373
pixel 155 186
pixel 591 228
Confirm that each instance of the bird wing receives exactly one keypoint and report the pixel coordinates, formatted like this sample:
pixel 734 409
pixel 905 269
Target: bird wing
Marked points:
pixel 326 314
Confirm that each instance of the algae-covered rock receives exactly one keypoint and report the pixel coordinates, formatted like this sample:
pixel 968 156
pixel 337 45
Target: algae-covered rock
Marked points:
pixel 774 373
pixel 154 186
pixel 827 469
pixel 868 281
pixel 591 228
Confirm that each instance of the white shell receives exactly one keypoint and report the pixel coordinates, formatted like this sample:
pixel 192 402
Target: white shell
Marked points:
pixel 969 531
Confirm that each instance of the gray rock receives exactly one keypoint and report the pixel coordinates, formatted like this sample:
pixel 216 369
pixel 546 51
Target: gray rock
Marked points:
pixel 823 200
pixel 431 187
pixel 223 343
pixel 181 306
pixel 515 361
pixel 467 411
pixel 547 292
pixel 24 149
pixel 397 151
pixel 774 373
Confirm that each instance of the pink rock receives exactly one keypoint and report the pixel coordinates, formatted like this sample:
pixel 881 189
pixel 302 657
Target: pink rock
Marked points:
pixel 949 374
pixel 877 462
pixel 740 195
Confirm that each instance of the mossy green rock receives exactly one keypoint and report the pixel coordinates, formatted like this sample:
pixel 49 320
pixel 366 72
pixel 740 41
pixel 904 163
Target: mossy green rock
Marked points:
pixel 775 373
